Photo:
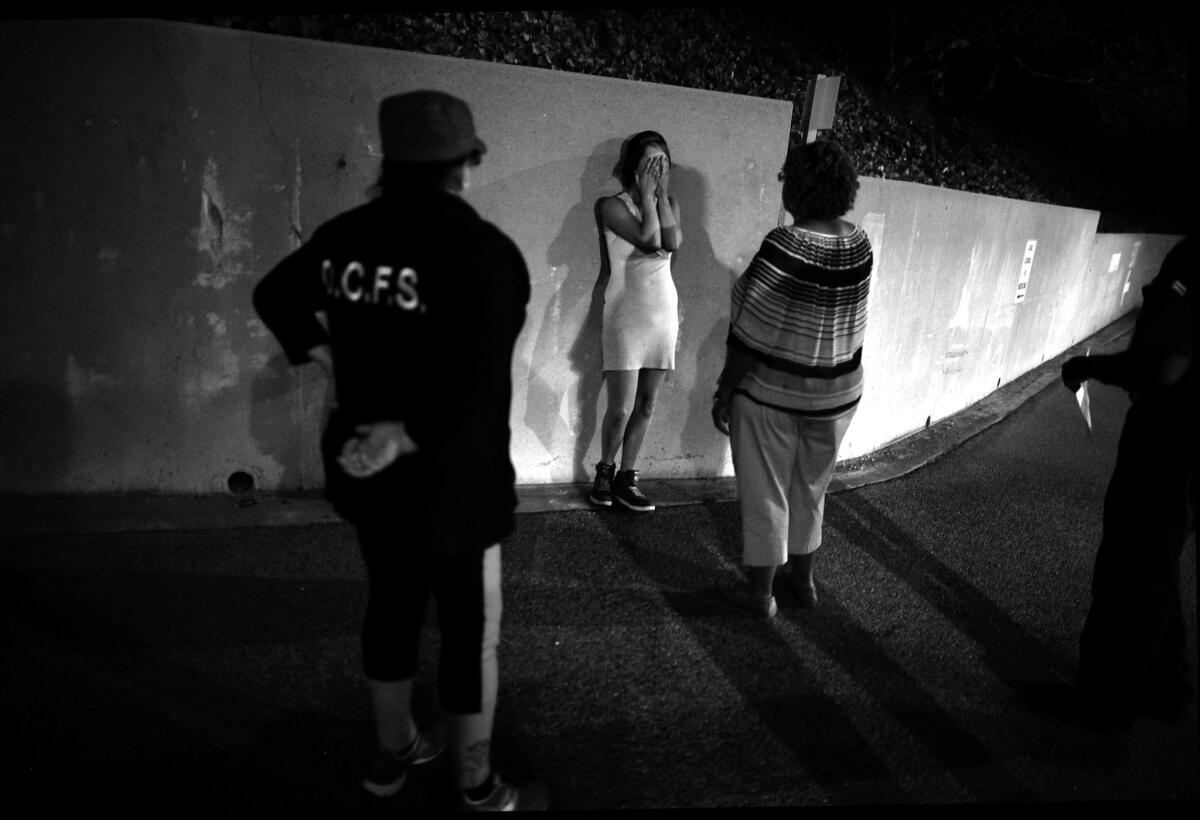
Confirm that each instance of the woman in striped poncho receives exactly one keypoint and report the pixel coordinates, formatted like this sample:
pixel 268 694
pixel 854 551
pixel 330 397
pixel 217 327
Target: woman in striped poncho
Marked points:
pixel 793 372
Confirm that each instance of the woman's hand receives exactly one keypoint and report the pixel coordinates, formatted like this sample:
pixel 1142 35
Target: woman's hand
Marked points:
pixel 374 447
pixel 720 413
pixel 647 180
pixel 664 174
pixel 323 356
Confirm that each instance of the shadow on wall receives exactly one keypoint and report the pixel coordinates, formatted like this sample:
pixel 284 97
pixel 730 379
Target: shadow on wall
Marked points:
pixel 577 306
pixel 277 418
pixel 579 248
pixel 38 424
pixel 704 284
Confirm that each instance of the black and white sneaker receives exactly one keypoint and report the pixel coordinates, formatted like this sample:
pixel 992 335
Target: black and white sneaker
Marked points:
pixel 602 487
pixel 625 490
pixel 508 796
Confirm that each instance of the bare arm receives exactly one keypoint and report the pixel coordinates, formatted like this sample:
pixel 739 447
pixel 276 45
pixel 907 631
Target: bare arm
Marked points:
pixel 646 233
pixel 737 365
pixel 668 209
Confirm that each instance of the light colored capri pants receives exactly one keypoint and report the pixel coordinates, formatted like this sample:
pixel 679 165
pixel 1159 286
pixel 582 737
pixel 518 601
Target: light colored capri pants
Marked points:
pixel 783 463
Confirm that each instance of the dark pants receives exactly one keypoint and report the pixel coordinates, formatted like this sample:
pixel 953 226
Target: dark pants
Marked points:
pixel 400 582
pixel 1132 651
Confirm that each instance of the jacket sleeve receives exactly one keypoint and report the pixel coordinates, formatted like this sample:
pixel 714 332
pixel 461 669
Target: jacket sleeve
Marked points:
pixel 287 300
pixel 1161 348
pixel 479 342
pixel 1164 325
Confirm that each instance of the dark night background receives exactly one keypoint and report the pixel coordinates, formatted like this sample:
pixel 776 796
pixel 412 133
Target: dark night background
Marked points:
pixel 1082 104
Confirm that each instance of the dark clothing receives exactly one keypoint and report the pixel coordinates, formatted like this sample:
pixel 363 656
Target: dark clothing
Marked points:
pixel 424 301
pixel 1132 648
pixel 400 583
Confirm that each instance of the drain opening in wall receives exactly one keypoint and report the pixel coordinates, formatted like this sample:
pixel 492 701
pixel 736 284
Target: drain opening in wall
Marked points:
pixel 240 483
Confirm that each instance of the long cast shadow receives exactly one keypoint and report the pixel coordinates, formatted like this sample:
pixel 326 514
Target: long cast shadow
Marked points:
pixel 1009 648
pixel 766 671
pixel 832 627
pixel 192 691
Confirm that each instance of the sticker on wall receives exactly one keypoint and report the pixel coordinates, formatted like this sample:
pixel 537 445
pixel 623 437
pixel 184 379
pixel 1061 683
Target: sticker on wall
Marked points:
pixel 1026 267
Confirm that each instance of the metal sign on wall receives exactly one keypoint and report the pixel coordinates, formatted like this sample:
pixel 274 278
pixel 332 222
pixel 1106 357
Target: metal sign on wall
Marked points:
pixel 1026 267
pixel 820 104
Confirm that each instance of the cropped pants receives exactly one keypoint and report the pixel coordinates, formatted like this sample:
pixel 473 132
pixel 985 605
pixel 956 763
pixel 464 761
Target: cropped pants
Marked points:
pixel 784 463
pixel 466 593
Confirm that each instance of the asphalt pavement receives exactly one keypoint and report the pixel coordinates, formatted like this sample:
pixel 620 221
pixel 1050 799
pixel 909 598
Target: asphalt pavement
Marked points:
pixel 200 655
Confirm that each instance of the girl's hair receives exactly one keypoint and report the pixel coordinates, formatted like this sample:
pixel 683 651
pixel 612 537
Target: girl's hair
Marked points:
pixel 635 148
pixel 819 180
pixel 396 176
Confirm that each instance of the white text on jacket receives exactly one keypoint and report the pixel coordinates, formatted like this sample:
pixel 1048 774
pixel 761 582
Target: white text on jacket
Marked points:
pixel 385 287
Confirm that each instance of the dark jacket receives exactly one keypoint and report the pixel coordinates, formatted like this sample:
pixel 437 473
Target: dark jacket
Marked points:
pixel 1164 325
pixel 424 301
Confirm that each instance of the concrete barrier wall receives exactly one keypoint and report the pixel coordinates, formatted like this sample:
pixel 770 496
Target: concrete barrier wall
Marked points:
pixel 949 318
pixel 152 172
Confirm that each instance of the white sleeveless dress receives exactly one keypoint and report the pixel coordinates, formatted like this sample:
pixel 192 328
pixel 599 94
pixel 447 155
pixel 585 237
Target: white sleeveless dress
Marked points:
pixel 641 306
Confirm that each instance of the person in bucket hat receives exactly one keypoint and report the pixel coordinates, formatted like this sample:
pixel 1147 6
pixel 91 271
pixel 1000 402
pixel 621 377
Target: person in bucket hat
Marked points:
pixel 428 126
pixel 423 301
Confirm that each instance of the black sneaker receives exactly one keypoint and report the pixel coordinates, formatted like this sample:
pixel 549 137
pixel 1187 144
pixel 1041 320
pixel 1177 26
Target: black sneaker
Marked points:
pixel 602 487
pixel 625 490
pixel 389 770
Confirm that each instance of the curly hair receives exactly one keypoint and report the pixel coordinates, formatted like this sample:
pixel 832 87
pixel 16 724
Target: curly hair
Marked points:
pixel 635 149
pixel 819 180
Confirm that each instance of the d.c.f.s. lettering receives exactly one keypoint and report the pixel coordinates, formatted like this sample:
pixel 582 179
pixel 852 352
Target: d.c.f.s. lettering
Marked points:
pixel 383 285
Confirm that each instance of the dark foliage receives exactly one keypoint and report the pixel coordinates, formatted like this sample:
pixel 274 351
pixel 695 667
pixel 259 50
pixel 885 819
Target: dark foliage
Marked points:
pixel 1073 103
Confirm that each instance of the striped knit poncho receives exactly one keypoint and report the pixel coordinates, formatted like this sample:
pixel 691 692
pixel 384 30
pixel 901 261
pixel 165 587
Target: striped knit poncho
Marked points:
pixel 800 310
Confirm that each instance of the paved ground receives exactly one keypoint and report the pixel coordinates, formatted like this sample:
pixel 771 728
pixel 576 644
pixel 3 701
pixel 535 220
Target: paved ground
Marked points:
pixel 200 655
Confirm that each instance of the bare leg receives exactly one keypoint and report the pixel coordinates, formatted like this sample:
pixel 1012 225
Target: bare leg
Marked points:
pixel 649 382
pixel 470 735
pixel 393 718
pixel 622 389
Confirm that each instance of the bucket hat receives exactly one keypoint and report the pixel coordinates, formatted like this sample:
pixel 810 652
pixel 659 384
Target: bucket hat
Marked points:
pixel 427 126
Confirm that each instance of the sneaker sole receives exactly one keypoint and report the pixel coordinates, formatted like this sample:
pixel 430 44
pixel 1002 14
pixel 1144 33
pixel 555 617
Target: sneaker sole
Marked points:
pixel 629 506
pixel 385 790
pixel 599 502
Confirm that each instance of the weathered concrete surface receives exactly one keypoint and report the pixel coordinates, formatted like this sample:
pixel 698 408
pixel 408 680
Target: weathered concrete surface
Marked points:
pixel 155 171
pixel 949 321
pixel 94 514
pixel 152 172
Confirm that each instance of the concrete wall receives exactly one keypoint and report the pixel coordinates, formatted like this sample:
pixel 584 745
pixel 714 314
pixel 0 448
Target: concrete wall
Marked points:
pixel 949 320
pixel 152 172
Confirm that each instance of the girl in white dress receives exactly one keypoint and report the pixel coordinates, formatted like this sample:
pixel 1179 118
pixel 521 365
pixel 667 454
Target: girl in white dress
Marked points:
pixel 641 316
